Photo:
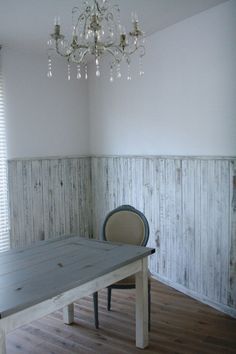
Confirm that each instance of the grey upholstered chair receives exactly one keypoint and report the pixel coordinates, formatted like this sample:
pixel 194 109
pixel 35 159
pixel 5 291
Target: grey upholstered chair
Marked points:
pixel 125 224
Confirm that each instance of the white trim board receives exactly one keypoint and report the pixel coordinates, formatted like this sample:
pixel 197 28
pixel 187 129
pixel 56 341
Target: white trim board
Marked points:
pixel 203 299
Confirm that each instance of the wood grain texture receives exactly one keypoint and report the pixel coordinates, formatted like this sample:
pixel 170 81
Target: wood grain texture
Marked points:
pixel 49 198
pixel 179 324
pixel 71 262
pixel 190 204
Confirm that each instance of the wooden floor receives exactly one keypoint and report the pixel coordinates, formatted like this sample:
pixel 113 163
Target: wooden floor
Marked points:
pixel 179 325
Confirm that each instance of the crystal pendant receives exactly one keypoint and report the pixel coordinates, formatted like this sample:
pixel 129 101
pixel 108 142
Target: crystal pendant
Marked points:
pixel 128 73
pixel 78 72
pixel 97 67
pixel 111 75
pixel 50 44
pixel 141 72
pixel 49 73
pixel 68 71
pixel 118 75
pixel 86 72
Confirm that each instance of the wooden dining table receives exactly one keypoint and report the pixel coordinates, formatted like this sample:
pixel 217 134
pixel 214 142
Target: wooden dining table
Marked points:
pixel 53 274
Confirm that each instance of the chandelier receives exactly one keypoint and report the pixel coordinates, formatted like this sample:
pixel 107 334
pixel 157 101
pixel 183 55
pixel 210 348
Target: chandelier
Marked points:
pixel 96 33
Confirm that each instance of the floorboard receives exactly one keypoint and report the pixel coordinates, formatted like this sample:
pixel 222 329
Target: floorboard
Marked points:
pixel 179 325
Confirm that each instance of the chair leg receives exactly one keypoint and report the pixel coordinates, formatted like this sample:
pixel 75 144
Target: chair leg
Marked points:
pixel 95 304
pixel 109 298
pixel 149 307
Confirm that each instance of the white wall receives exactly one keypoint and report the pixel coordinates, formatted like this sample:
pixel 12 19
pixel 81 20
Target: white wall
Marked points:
pixel 185 104
pixel 44 117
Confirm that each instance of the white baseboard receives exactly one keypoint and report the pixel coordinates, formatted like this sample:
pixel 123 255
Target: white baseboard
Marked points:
pixel 205 300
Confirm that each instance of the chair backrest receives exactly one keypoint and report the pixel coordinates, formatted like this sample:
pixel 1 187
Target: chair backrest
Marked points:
pixel 126 224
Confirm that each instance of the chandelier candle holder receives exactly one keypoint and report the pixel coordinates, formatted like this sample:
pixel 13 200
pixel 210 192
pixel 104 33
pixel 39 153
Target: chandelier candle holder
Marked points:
pixel 97 32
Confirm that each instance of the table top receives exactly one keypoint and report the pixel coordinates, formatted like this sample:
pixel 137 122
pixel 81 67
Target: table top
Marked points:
pixel 31 275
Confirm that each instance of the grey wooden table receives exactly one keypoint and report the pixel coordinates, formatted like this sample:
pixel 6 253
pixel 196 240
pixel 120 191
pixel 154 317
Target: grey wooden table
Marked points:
pixel 53 274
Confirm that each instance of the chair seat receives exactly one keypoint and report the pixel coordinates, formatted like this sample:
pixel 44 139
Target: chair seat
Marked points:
pixel 130 281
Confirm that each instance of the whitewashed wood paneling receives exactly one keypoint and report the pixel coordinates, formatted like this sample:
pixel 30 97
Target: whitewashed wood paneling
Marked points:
pixel 48 198
pixel 190 204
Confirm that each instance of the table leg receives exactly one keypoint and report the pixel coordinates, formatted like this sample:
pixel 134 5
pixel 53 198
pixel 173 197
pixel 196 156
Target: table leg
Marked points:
pixel 142 306
pixel 68 314
pixel 2 342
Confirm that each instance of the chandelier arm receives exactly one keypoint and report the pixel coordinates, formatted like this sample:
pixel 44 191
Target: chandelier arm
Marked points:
pixel 82 46
pixel 80 19
pixel 68 55
pixel 103 8
pixel 109 17
pixel 74 10
pixel 82 16
pixel 108 44
pixel 117 60
pixel 136 48
pixel 114 7
pixel 97 6
pixel 85 23
pixel 64 55
pixel 116 47
pixel 112 45
pixel 80 61
pixel 143 51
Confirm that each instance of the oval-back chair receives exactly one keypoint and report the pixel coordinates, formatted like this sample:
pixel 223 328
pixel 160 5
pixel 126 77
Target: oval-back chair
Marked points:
pixel 127 225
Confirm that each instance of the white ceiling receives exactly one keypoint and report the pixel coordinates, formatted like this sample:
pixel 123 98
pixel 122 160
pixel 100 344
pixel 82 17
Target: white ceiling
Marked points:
pixel 27 23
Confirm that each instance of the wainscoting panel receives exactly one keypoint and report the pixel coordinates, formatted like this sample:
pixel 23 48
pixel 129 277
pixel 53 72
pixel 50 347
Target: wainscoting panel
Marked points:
pixel 48 198
pixel 190 204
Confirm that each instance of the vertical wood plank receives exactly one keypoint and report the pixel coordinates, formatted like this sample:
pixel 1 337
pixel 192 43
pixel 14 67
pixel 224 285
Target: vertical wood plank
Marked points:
pixel 163 215
pixel 204 227
pixel 189 257
pixel 178 221
pixel 221 236
pixel 47 197
pixel 12 197
pixel 155 212
pixel 27 201
pixel 37 200
pixel 149 190
pixel 19 203
pixel 197 224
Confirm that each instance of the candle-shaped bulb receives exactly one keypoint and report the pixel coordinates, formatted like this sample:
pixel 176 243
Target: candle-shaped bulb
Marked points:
pixel 122 30
pixel 57 21
pixel 134 17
